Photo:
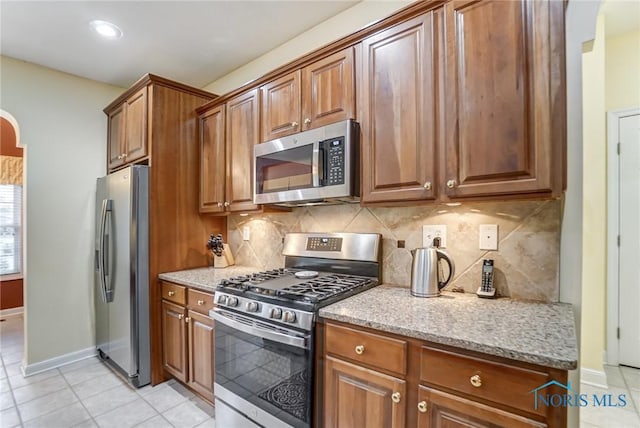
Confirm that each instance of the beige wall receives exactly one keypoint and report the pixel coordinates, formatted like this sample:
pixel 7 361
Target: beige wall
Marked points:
pixel 623 71
pixel 344 23
pixel 64 131
pixel 594 198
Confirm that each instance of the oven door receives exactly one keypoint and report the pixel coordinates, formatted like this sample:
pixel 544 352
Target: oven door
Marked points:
pixel 263 373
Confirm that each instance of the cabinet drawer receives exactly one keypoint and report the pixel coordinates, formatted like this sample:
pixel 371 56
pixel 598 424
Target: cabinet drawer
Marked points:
pixel 199 301
pixel 488 380
pixel 368 348
pixel 174 293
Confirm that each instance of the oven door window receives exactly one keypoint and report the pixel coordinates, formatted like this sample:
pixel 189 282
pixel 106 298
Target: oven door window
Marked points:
pixel 273 376
pixel 285 170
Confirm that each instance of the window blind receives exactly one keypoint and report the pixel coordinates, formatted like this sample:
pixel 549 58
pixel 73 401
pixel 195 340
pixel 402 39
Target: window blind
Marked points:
pixel 10 229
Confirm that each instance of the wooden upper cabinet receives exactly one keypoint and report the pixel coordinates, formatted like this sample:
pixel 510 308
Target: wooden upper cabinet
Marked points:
pixel 397 111
pixel 212 160
pixel 116 137
pixel 281 107
pixel 500 97
pixel 127 138
pixel 328 90
pixel 355 396
pixel 242 135
pixel 316 95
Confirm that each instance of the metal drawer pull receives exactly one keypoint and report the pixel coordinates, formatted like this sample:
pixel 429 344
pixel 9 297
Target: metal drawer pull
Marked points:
pixel 451 184
pixel 360 349
pixel 180 316
pixel 476 381
pixel 395 397
pixel 187 319
pixel 427 185
pixel 294 124
pixel 422 407
pixel 171 293
pixel 200 302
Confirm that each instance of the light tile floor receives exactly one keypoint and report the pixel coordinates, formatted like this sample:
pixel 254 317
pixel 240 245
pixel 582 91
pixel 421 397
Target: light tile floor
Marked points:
pixel 621 380
pixel 87 393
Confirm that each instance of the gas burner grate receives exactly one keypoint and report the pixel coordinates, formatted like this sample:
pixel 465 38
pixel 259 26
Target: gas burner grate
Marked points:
pixel 322 288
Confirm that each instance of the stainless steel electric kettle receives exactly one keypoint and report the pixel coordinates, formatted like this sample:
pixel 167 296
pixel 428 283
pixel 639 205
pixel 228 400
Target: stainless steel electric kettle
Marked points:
pixel 426 275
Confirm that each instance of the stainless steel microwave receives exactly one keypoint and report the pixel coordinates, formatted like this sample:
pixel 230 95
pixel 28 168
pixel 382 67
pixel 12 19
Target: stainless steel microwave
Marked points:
pixel 318 166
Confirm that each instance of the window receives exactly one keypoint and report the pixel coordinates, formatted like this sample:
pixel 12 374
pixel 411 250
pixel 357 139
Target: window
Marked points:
pixel 10 229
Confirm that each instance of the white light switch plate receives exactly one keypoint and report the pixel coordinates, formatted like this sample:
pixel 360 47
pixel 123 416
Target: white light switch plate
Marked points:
pixel 488 236
pixel 246 233
pixel 430 231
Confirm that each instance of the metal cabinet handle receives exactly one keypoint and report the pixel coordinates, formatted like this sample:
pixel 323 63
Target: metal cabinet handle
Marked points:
pixel 422 407
pixel 180 316
pixel 476 381
pixel 360 349
pixel 119 156
pixel 294 124
pixel 200 302
pixel 395 397
pixel 427 185
pixel 307 121
pixel 187 319
pixel 219 204
pixel 124 155
pixel 451 184
pixel 171 293
pixel 226 204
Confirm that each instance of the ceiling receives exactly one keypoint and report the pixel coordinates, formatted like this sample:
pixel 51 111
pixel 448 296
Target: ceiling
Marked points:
pixel 621 16
pixel 194 42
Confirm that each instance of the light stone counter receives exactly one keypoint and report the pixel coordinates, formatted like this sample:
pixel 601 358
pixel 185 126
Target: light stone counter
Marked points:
pixel 207 278
pixel 538 333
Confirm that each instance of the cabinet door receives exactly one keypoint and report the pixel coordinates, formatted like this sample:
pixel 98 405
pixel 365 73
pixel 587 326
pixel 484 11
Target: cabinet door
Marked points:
pixel 498 98
pixel 328 90
pixel 397 111
pixel 439 409
pixel 281 107
pixel 359 397
pixel 242 135
pixel 201 367
pixel 174 340
pixel 116 137
pixel 212 160
pixel 136 126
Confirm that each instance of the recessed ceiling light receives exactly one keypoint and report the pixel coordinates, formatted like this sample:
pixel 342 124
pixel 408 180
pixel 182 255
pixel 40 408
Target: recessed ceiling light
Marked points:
pixel 106 29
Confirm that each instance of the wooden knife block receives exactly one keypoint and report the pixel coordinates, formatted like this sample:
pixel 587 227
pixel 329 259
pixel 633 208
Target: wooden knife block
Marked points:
pixel 226 259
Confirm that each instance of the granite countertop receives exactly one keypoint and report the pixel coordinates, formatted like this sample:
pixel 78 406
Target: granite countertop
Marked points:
pixel 538 333
pixel 206 278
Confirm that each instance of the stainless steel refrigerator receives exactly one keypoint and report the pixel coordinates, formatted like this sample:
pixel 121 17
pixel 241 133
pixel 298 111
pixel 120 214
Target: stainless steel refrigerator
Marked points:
pixel 121 291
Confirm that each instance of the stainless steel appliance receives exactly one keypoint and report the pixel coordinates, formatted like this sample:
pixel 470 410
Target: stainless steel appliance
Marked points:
pixel 312 167
pixel 121 291
pixel 264 342
pixel 426 274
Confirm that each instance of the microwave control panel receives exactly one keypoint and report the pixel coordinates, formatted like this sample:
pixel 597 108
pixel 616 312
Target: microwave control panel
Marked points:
pixel 334 161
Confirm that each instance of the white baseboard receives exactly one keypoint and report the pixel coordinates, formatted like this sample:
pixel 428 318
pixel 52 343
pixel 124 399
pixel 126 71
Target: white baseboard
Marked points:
pixel 593 377
pixel 11 312
pixel 72 357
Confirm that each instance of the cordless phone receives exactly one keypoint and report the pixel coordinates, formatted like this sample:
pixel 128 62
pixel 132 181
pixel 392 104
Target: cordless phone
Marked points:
pixel 486 289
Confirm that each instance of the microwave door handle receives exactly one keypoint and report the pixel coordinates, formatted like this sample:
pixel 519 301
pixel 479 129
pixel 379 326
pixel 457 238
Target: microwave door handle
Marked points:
pixel 315 164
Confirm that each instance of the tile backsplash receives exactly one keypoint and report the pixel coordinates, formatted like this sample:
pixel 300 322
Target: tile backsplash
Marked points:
pixel 526 262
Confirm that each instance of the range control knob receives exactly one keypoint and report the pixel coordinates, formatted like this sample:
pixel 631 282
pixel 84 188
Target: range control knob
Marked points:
pixel 276 313
pixel 252 306
pixel 289 316
pixel 222 299
pixel 232 301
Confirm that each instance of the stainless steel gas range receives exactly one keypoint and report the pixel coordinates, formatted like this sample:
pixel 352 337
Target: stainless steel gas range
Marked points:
pixel 264 340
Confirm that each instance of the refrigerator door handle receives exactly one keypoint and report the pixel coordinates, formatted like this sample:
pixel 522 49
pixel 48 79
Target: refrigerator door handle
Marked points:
pixel 103 259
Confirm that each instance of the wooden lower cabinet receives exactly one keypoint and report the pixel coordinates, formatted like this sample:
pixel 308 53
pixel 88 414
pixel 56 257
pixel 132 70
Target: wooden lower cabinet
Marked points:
pixel 200 346
pixel 440 409
pixel 188 340
pixel 441 387
pixel 355 396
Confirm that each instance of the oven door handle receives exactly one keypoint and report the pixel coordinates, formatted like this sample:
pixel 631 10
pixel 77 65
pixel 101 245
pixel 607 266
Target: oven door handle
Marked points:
pixel 298 342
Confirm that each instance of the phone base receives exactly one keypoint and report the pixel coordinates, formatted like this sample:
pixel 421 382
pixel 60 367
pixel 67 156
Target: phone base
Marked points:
pixel 490 294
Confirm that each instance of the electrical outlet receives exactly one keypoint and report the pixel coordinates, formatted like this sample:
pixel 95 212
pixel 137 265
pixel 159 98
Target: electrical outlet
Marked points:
pixel 246 233
pixel 488 236
pixel 430 231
